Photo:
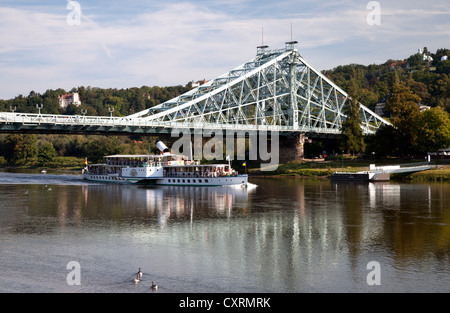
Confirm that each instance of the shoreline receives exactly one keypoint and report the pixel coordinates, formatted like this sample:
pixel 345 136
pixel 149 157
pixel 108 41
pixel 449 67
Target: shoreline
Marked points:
pixel 322 170
pixel 312 169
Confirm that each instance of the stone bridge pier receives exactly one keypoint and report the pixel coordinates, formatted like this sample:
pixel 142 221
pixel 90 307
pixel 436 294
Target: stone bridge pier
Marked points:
pixel 292 148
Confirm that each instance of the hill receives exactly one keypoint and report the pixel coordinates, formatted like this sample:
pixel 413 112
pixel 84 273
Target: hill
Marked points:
pixel 426 73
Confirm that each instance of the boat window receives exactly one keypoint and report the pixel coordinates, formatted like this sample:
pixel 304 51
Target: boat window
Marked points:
pixel 189 180
pixel 199 180
pixel 178 180
pixel 206 180
pixel 184 181
pixel 169 180
pixel 193 180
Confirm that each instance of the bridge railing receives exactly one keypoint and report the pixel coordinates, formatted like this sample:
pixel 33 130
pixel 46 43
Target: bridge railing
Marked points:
pixel 36 120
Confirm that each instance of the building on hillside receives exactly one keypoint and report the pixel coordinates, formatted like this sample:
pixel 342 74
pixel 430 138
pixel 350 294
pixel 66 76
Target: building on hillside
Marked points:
pixel 423 107
pixel 379 108
pixel 67 99
pixel 425 55
pixel 395 65
pixel 198 83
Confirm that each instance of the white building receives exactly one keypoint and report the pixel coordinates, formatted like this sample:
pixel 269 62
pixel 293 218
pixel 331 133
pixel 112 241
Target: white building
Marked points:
pixel 65 100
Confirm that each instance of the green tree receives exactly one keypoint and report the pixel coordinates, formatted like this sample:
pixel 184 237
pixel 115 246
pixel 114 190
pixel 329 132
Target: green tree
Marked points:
pixel 385 142
pixel 416 61
pixel 443 67
pixel 351 128
pixel 404 109
pixel 99 147
pixel 46 154
pixel 433 130
pixel 20 148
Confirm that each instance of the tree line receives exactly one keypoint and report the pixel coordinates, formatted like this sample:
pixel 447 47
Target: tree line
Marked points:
pixel 402 85
pixel 41 150
pixel 95 101
pixel 430 80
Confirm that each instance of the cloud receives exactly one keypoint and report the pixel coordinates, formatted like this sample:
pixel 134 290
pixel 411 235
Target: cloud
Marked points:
pixel 173 43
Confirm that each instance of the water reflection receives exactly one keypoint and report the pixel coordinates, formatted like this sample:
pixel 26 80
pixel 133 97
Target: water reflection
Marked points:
pixel 285 235
pixel 122 202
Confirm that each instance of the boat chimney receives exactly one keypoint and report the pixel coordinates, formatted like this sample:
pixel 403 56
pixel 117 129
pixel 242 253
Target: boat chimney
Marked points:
pixel 162 147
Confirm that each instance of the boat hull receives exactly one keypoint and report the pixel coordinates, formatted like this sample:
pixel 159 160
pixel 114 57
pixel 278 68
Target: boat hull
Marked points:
pixel 170 181
pixel 358 177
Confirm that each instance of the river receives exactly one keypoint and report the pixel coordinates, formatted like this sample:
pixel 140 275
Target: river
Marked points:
pixel 280 235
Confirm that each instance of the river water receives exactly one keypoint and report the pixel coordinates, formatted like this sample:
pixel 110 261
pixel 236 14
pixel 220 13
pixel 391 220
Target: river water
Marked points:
pixel 279 235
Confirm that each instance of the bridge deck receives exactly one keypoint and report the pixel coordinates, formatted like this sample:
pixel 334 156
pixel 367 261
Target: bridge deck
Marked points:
pixel 45 123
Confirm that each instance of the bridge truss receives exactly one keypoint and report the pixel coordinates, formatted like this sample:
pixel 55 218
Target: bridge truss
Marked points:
pixel 275 91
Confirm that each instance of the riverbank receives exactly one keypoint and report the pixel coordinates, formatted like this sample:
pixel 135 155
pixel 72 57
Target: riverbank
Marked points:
pixel 320 168
pixel 59 163
pixel 315 168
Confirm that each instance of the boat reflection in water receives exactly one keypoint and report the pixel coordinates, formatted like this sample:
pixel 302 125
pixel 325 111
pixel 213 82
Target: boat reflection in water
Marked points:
pixel 163 203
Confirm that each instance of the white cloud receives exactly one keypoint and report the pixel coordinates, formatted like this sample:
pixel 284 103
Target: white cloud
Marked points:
pixel 178 42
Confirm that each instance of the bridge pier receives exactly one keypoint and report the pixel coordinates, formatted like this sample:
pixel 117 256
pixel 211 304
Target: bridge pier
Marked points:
pixel 292 148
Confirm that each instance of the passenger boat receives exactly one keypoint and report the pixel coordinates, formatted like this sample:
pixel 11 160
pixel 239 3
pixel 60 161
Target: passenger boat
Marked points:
pixel 163 169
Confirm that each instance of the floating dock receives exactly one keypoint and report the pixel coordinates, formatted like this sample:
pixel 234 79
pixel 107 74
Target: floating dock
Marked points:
pixel 378 173
pixel 360 176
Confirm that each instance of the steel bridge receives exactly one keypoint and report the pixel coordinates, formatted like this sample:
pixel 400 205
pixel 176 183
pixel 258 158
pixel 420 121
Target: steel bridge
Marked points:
pixel 276 91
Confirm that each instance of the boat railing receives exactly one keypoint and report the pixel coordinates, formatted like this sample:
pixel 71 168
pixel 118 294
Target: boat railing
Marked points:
pixel 200 174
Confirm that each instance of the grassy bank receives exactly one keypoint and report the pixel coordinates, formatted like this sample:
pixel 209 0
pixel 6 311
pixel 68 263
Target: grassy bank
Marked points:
pixel 324 169
pixel 62 163
pixel 441 174
pixel 321 168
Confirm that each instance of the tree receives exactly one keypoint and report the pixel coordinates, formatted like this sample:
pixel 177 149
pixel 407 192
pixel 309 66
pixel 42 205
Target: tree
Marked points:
pixel 99 147
pixel 433 130
pixel 351 127
pixel 385 142
pixel 20 148
pixel 404 109
pixel 443 67
pixel 47 153
pixel 416 61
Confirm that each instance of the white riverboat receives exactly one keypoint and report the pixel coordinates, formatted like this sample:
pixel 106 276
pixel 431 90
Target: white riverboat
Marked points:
pixel 163 169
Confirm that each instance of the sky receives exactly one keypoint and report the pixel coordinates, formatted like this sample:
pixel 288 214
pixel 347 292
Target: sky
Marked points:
pixel 50 44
